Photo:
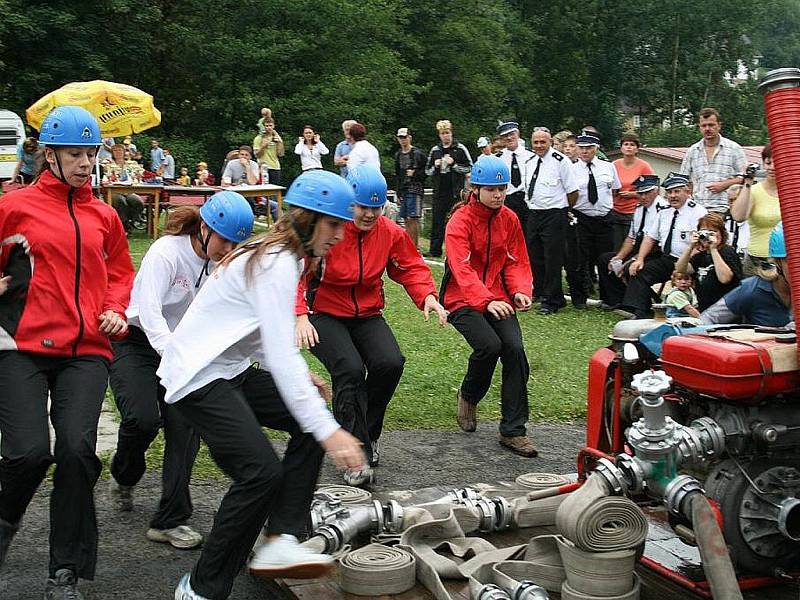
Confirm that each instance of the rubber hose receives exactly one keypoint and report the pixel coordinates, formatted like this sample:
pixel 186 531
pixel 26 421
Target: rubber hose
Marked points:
pixel 714 552
pixel 346 494
pixel 567 593
pixel 541 481
pixel 597 573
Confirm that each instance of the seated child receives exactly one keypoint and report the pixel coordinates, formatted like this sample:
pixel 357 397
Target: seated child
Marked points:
pixel 681 300
pixel 202 175
pixel 184 179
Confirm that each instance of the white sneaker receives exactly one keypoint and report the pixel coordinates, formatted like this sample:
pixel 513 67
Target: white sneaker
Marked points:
pixel 182 537
pixel 184 591
pixel 359 477
pixel 284 557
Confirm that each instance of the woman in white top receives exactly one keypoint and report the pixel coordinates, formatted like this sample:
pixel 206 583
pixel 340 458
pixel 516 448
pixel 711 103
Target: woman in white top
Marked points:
pixel 362 152
pixel 170 276
pixel 245 313
pixel 310 149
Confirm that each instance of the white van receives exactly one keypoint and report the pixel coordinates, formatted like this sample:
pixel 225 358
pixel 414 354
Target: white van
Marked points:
pixel 12 133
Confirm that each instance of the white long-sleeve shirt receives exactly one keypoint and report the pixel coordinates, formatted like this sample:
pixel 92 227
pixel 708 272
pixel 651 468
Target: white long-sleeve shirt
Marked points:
pixel 311 158
pixel 235 320
pixel 164 288
pixel 363 153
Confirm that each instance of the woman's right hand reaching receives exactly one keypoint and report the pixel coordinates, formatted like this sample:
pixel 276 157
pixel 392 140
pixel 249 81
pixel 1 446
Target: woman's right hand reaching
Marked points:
pixel 344 450
pixel 305 334
pixel 499 309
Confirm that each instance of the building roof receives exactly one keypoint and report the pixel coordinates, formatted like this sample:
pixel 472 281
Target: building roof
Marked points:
pixel 753 153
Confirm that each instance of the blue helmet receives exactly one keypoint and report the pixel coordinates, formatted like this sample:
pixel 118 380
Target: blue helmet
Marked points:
pixel 777 244
pixel 490 170
pixel 70 126
pixel 322 192
pixel 229 215
pixel 369 186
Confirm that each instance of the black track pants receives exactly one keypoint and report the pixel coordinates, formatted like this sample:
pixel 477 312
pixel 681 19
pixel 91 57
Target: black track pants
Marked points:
pixel 365 364
pixel 140 400
pixel 76 387
pixel 229 415
pixel 491 339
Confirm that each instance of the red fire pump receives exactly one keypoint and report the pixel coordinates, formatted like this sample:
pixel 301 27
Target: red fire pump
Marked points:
pixel 717 411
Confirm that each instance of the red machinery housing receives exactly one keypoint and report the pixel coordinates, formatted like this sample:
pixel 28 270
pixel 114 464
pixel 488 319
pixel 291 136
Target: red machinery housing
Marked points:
pixel 735 390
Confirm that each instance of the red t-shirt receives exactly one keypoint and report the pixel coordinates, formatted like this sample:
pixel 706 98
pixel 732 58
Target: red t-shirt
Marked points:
pixel 627 177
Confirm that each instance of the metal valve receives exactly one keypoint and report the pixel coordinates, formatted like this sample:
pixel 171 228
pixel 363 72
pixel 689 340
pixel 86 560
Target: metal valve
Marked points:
pixel 651 384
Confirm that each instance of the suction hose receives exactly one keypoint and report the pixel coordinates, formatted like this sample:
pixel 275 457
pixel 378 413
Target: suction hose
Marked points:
pixel 713 551
pixel 781 89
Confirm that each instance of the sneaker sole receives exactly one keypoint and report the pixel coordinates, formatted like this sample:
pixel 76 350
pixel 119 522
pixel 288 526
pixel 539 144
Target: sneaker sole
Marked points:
pixel 156 536
pixel 299 571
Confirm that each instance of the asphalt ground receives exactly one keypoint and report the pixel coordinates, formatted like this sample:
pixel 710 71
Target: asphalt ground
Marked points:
pixel 132 568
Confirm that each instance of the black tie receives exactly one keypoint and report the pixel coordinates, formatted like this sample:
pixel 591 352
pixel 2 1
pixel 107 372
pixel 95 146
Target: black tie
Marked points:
pixel 516 179
pixel 534 178
pixel 641 225
pixel 668 243
pixel 592 189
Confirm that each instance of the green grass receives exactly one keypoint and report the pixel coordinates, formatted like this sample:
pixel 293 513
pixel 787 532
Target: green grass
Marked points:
pixel 558 347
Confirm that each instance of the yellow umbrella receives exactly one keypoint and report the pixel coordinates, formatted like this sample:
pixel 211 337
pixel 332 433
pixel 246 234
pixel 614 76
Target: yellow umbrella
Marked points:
pixel 120 109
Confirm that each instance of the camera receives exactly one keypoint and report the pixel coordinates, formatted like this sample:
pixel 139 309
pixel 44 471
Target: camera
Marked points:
pixel 749 172
pixel 705 235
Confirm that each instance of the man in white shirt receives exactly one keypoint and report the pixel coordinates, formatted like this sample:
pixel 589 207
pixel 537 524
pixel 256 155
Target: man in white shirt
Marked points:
pixel 169 165
pixel 672 232
pixel 515 155
pixel 612 266
pixel 362 152
pixel 713 164
pixel 550 189
pixel 597 179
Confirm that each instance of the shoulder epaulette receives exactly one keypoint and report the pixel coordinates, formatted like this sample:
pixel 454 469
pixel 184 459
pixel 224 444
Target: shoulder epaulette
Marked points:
pixel 692 203
pixel 557 155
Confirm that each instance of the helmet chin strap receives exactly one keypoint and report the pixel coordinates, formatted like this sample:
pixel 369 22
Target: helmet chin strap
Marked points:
pixel 204 245
pixel 305 237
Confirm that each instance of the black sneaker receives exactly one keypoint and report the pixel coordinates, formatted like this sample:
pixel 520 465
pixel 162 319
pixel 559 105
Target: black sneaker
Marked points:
pixel 62 587
pixel 7 533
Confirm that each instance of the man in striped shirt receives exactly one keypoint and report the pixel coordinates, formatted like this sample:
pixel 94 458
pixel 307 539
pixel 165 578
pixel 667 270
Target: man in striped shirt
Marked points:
pixel 712 164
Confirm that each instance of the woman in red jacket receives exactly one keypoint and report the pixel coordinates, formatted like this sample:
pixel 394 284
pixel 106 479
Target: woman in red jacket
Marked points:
pixel 70 279
pixel 339 306
pixel 487 276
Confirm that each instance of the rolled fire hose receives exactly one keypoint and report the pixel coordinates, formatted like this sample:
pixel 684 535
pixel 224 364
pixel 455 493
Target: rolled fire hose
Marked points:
pixel 597 522
pixel 541 481
pixel 713 552
pixel 567 593
pixel 543 562
pixel 375 570
pixel 346 494
pixel 598 574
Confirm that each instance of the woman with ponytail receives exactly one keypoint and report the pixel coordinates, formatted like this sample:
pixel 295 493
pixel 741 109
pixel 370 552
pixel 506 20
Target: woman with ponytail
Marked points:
pixel 171 274
pixel 245 313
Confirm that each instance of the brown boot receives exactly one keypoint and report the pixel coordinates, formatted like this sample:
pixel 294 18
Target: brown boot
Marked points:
pixel 519 444
pixel 466 414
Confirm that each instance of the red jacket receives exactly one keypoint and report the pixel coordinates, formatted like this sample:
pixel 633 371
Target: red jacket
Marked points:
pixel 350 280
pixel 486 258
pixel 78 266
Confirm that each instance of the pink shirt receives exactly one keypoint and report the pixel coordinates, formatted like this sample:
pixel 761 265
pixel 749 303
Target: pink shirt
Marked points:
pixel 627 177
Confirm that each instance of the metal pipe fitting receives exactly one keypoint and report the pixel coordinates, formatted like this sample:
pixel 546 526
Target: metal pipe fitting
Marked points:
pixel 613 476
pixel 529 590
pixel 678 493
pixel 491 591
pixel 789 519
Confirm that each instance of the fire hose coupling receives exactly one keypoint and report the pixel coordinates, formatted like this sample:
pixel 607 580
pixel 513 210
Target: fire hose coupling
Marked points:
pixel 614 477
pixel 491 591
pixel 529 590
pixel 494 513
pixel 458 495
pixel 678 493
pixel 702 440
pixel 633 471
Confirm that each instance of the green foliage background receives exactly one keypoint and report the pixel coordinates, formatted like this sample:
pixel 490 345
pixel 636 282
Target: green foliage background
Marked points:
pixel 212 65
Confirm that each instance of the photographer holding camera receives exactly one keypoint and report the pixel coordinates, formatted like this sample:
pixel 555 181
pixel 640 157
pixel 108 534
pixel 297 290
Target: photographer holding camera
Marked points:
pixel 759 206
pixel 716 265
